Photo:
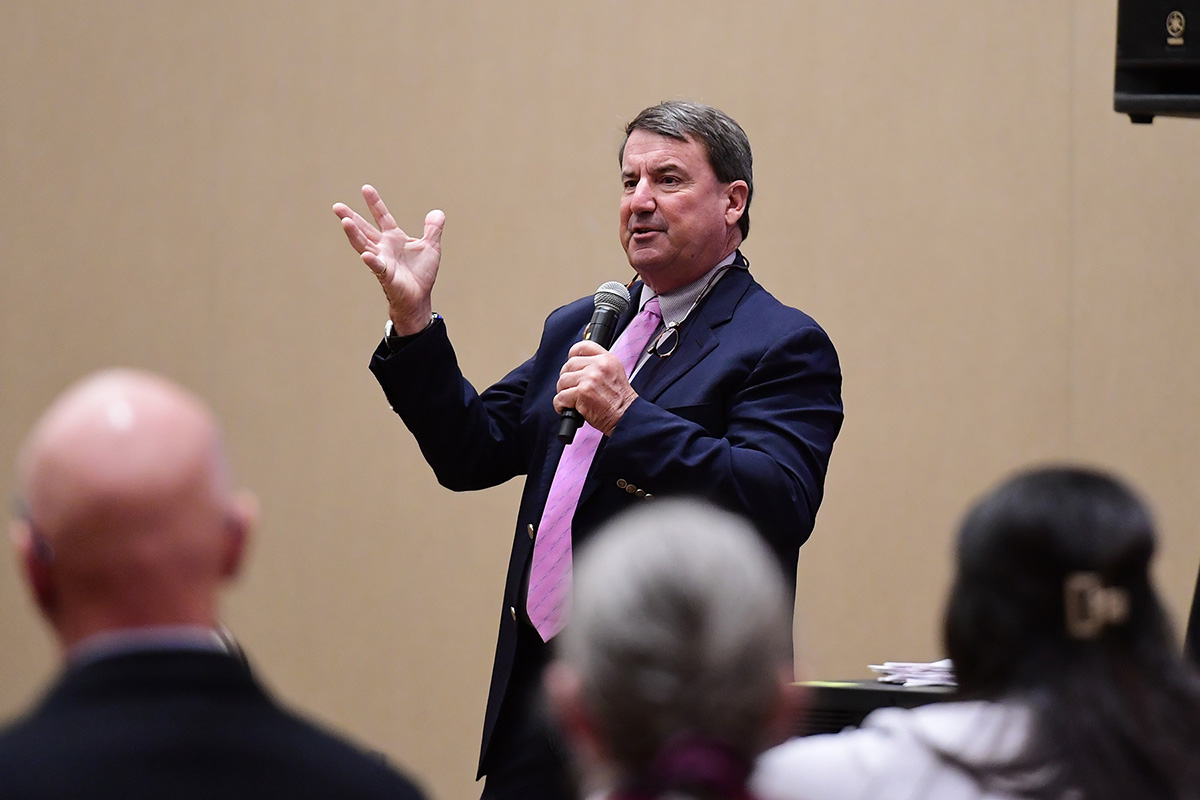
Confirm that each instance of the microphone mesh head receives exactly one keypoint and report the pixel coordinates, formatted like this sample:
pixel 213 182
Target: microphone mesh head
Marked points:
pixel 614 295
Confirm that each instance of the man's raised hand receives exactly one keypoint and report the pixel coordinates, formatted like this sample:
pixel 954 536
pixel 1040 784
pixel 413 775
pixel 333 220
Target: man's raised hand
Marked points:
pixel 405 267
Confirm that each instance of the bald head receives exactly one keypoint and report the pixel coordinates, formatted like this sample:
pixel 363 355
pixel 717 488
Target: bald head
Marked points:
pixel 130 521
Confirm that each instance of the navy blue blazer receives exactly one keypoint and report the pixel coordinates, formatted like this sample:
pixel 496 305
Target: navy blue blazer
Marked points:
pixel 743 413
pixel 179 724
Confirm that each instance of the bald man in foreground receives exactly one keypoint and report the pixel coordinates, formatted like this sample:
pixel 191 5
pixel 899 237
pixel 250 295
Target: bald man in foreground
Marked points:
pixel 127 529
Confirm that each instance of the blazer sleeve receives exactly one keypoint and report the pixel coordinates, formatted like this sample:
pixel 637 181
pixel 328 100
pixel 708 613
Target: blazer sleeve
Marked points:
pixel 471 441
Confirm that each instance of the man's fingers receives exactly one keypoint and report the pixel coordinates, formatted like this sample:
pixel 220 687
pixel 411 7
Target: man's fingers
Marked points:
pixel 347 214
pixel 383 217
pixel 376 263
pixel 567 380
pixel 354 233
pixel 585 347
pixel 434 222
pixel 562 400
pixel 575 363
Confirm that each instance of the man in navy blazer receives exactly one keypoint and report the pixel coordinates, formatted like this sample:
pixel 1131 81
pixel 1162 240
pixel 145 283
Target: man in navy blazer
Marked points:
pixel 738 397
pixel 126 530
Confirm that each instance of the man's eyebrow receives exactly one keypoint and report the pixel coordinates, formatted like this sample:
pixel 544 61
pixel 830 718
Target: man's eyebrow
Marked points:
pixel 657 168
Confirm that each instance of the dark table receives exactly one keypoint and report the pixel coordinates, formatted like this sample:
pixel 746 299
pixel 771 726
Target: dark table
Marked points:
pixel 835 705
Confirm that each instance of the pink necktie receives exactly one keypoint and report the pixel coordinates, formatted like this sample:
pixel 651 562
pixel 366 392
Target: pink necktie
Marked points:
pixel 550 574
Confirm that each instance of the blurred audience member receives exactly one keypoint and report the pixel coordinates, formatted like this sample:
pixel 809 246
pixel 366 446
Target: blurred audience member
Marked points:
pixel 1071 683
pixel 127 527
pixel 676 669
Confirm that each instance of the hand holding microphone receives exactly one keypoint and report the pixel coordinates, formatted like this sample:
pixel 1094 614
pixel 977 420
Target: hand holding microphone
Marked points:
pixel 611 301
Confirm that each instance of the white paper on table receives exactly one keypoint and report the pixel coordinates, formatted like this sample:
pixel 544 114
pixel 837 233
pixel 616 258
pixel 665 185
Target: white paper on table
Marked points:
pixel 916 673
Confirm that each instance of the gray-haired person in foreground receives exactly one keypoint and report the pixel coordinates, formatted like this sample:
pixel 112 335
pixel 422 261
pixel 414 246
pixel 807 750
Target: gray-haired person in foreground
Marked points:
pixel 676 671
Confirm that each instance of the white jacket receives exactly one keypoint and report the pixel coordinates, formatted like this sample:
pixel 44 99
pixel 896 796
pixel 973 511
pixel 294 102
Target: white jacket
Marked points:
pixel 902 754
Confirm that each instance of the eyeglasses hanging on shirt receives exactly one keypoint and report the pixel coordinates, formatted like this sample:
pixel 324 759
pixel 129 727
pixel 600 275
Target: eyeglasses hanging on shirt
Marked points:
pixel 665 343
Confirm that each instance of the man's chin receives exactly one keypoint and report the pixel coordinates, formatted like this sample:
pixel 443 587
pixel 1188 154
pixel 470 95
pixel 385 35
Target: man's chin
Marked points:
pixel 643 258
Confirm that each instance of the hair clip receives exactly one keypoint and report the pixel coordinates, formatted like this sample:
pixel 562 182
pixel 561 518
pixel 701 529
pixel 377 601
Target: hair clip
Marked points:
pixel 1090 605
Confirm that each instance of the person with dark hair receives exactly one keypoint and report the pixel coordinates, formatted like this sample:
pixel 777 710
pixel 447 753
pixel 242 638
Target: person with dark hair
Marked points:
pixel 676 669
pixel 127 527
pixel 712 387
pixel 1071 684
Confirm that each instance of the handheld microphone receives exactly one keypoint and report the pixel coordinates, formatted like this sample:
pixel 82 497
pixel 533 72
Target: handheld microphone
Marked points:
pixel 611 300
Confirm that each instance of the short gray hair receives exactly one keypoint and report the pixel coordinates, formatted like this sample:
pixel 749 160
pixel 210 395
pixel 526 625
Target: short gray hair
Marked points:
pixel 727 145
pixel 681 625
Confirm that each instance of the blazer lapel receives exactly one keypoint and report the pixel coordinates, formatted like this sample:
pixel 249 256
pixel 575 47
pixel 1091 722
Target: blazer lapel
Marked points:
pixel 697 338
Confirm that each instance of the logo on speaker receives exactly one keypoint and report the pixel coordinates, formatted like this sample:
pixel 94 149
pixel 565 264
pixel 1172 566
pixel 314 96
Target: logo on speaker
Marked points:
pixel 1175 25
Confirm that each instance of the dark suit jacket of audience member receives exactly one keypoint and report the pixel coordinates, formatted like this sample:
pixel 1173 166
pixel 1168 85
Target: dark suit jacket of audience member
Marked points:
pixel 173 725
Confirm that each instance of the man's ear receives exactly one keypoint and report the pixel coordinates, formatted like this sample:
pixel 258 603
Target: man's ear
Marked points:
pixel 792 700
pixel 240 525
pixel 37 564
pixel 564 693
pixel 737 194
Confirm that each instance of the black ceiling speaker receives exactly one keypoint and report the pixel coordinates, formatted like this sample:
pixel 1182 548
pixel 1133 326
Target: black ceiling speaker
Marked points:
pixel 1158 59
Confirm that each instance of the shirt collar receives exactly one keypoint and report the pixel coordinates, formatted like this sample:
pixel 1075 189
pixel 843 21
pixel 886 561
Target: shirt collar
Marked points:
pixel 158 638
pixel 675 305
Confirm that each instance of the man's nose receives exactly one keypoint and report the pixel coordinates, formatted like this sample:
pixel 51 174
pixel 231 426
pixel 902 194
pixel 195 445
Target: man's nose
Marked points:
pixel 642 198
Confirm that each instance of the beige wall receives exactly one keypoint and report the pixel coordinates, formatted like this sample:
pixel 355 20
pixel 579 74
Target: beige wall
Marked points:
pixel 1006 266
